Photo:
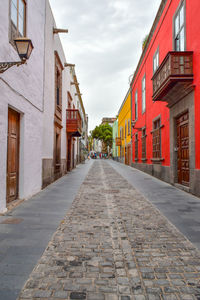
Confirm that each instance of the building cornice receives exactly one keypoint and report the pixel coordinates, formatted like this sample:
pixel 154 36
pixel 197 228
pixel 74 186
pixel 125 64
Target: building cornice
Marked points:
pixel 153 28
pixel 126 97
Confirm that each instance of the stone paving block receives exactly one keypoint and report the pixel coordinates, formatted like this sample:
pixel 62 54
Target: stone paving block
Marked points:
pixel 60 294
pixel 115 246
pixel 95 296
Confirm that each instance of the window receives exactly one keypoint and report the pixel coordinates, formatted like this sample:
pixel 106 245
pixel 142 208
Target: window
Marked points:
pixel 125 129
pixel 156 61
pixel 136 105
pixel 156 139
pixel 143 94
pixel 179 29
pixel 58 88
pixel 144 143
pixel 18 18
pixel 58 83
pixel 129 127
pixel 122 133
pixel 136 147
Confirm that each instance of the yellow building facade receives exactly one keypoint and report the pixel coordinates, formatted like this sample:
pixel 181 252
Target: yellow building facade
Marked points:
pixel 124 130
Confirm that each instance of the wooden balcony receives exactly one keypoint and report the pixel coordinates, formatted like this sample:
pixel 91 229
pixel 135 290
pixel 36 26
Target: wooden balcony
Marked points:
pixel 73 122
pixel 173 79
pixel 118 141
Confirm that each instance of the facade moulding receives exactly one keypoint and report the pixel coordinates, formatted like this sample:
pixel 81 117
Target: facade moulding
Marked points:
pixel 152 31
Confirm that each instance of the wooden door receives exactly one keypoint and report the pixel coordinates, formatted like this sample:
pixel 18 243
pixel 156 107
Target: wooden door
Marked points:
pixel 183 169
pixel 57 150
pixel 69 154
pixel 13 155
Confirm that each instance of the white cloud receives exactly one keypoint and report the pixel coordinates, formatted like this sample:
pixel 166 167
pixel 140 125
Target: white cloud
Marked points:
pixel 105 42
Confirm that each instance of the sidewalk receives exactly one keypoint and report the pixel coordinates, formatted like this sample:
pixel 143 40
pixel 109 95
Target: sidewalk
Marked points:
pixel 181 208
pixel 26 231
pixel 114 244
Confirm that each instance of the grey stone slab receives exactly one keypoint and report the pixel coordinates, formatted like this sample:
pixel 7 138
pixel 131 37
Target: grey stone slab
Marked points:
pixel 21 245
pixel 6 294
pixel 182 209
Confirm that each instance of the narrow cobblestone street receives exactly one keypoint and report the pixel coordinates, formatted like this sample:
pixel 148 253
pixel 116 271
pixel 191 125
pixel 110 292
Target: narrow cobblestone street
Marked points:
pixel 114 244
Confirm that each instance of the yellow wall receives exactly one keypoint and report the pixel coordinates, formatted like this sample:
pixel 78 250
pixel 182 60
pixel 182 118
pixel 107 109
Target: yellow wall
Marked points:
pixel 124 117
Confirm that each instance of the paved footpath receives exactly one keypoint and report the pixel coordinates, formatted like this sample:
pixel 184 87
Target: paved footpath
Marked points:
pixel 113 244
pixel 26 230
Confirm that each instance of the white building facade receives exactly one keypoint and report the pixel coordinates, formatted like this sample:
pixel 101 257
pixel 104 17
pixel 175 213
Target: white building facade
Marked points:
pixel 34 98
pixel 21 102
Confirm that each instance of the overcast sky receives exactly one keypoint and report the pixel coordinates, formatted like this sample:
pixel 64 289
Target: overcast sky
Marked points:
pixel 105 42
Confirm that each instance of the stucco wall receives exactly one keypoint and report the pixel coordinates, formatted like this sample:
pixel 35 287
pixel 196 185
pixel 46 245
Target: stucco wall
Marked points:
pixel 21 88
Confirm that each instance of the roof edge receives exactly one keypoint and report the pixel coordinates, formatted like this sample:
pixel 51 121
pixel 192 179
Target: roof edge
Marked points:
pixel 155 23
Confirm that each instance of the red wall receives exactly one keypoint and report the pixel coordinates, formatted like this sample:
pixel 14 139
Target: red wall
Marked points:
pixel 163 38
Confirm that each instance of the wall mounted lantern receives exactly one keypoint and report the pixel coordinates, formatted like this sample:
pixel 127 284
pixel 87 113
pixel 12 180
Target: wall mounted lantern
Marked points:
pixel 24 48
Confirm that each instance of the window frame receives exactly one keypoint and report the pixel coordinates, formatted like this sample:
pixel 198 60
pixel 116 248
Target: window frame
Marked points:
pixel 175 36
pixel 129 127
pixel 156 55
pixel 136 146
pixel 144 144
pixel 136 104
pixel 156 132
pixel 144 94
pixel 14 30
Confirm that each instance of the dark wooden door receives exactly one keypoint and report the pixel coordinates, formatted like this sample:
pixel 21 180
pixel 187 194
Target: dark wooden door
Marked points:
pixel 182 123
pixel 13 155
pixel 69 154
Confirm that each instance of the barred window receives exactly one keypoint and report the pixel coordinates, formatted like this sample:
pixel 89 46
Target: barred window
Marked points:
pixel 156 139
pixel 144 143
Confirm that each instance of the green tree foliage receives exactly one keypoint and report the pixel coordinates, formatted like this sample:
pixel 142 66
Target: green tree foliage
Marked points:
pixel 103 132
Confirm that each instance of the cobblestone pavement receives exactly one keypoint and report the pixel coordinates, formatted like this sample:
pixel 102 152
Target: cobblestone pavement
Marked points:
pixel 114 245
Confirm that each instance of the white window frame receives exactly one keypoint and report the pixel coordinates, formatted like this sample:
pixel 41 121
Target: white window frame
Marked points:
pixel 144 94
pixel 156 60
pixel 179 33
pixel 136 105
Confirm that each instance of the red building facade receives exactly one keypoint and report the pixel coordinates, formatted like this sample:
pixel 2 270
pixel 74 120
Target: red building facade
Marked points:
pixel 166 97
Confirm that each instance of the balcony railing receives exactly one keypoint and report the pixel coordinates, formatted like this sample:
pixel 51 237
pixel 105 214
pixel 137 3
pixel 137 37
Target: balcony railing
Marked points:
pixel 118 141
pixel 174 76
pixel 73 122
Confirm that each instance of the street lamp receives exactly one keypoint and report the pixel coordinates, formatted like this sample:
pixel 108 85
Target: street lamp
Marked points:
pixel 24 48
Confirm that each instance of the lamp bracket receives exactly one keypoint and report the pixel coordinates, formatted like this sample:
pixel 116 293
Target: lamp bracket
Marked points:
pixel 59 30
pixel 6 65
pixel 69 65
pixel 76 83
